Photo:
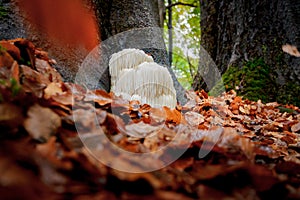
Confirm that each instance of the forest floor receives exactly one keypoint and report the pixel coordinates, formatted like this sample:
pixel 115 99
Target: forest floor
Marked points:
pixel 59 140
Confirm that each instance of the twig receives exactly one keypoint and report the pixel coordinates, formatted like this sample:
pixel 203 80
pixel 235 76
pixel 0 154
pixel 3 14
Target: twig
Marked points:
pixel 181 3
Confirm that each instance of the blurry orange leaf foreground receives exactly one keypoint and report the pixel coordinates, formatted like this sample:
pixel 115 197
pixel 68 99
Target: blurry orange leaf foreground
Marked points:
pixel 66 21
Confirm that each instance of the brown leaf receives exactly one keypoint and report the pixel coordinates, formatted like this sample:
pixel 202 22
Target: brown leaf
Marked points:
pixel 194 118
pixel 33 82
pixel 290 49
pixel 41 122
pixel 27 50
pixel 5 60
pixel 53 89
pixel 296 127
pixel 141 130
pixel 98 96
pixel 11 49
pixel 51 73
pixel 172 115
pixel 10 115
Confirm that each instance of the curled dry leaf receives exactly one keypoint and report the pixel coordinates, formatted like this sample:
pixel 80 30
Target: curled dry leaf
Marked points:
pixel 44 68
pixel 193 118
pixel 11 49
pixel 141 130
pixel 290 49
pixel 296 127
pixel 33 82
pixel 5 60
pixel 52 89
pixel 10 115
pixel 98 96
pixel 27 50
pixel 41 122
pixel 172 115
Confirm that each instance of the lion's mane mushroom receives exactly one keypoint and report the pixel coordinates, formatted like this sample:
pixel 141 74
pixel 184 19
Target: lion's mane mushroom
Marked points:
pixel 147 82
pixel 126 59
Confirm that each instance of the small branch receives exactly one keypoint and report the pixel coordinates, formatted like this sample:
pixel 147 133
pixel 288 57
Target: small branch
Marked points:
pixel 181 3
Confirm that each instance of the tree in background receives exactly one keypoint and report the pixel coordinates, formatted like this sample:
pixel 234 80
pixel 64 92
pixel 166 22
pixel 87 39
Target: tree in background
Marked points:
pixel 184 25
pixel 245 40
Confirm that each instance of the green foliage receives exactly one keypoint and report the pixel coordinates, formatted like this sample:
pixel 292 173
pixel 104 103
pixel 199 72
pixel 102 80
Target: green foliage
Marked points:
pixel 186 41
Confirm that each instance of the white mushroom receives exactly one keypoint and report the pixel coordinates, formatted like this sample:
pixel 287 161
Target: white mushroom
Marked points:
pixel 126 59
pixel 147 82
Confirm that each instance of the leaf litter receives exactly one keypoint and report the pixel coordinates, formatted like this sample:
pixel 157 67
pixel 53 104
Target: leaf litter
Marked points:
pixel 235 148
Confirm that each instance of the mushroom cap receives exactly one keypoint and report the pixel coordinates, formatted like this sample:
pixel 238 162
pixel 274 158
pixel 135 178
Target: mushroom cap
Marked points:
pixel 149 82
pixel 126 59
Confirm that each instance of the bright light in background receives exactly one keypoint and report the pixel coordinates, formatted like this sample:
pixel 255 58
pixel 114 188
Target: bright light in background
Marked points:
pixel 186 42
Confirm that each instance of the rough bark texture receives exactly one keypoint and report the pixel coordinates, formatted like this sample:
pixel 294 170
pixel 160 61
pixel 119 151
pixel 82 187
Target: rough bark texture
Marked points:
pixel 16 23
pixel 122 24
pixel 236 31
pixel 134 24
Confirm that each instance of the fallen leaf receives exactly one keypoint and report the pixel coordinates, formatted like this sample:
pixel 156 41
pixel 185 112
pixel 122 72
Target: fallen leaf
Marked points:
pixel 51 73
pixel 98 96
pixel 290 49
pixel 41 122
pixel 52 89
pixel 27 50
pixel 193 118
pixel 33 82
pixel 11 49
pixel 296 127
pixel 10 115
pixel 141 130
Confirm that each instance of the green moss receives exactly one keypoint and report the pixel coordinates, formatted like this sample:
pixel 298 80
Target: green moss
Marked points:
pixel 289 93
pixel 253 80
pixel 256 80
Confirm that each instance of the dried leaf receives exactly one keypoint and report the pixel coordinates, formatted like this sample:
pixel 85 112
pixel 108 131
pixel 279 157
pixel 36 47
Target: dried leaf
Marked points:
pixel 51 73
pixel 141 130
pixel 10 115
pixel 41 122
pixel 11 49
pixel 53 89
pixel 193 118
pixel 296 127
pixel 27 50
pixel 33 82
pixel 290 49
pixel 5 60
pixel 172 116
pixel 98 96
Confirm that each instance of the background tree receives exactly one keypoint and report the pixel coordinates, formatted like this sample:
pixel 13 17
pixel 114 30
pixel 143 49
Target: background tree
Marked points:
pixel 245 39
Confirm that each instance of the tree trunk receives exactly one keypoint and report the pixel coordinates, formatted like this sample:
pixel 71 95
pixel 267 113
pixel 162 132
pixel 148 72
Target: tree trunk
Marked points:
pixel 122 24
pixel 239 31
pixel 132 24
pixel 47 24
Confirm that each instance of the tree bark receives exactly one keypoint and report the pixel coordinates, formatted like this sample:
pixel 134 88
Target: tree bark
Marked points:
pixel 134 24
pixel 122 24
pixel 236 31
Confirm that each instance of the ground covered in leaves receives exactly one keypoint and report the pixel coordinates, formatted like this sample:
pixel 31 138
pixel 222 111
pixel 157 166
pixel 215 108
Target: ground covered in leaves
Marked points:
pixel 56 141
